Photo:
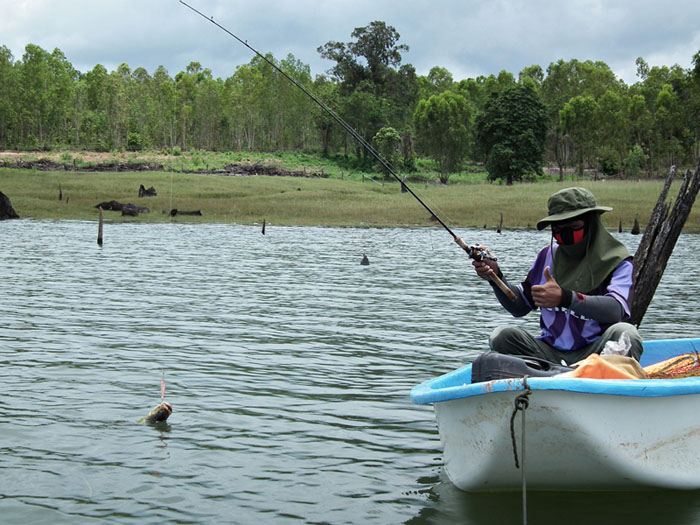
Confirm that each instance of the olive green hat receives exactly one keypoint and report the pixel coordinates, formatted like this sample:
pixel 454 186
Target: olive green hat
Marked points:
pixel 569 203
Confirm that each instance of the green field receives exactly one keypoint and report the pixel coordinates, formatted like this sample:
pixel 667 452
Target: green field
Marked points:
pixel 315 201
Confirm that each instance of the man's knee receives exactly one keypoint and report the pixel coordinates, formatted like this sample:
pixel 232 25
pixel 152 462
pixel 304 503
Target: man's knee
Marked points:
pixel 505 340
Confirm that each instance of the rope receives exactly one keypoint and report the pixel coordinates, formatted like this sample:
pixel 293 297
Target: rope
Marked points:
pixel 522 401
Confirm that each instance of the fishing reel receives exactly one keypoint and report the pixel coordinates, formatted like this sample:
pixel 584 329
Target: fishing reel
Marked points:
pixel 478 252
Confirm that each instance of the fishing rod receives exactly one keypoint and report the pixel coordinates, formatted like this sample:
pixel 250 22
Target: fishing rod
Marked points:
pixel 475 252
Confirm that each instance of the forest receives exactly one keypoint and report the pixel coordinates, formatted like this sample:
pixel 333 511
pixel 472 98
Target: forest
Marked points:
pixel 571 114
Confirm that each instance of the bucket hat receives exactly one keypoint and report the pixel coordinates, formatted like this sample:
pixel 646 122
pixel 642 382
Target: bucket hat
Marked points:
pixel 569 203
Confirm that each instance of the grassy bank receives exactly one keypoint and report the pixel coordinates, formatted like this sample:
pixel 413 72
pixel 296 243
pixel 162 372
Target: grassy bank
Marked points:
pixel 313 201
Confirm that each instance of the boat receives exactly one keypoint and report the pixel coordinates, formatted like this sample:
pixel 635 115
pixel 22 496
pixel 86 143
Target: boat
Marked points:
pixel 581 434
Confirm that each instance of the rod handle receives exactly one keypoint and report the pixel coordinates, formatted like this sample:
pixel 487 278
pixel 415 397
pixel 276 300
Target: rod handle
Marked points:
pixel 494 278
pixel 502 286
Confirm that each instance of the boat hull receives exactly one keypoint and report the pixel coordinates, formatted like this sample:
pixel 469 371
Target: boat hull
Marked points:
pixel 580 434
pixel 574 441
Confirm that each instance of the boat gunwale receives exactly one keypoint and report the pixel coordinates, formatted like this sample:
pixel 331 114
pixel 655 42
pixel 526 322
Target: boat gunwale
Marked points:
pixel 457 383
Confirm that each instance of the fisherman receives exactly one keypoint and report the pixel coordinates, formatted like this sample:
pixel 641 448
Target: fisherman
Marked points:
pixel 581 284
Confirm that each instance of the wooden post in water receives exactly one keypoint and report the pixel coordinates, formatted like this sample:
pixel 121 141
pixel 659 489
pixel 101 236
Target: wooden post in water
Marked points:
pixel 99 228
pixel 660 236
pixel 263 229
pixel 635 227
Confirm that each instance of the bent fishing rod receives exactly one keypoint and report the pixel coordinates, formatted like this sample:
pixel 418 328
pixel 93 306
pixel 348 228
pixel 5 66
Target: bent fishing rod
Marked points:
pixel 475 252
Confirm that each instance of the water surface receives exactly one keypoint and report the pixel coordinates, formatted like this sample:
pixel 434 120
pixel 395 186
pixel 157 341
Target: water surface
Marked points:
pixel 288 365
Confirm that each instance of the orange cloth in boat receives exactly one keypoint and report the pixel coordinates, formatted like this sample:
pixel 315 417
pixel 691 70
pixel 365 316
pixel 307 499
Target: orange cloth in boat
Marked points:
pixel 608 367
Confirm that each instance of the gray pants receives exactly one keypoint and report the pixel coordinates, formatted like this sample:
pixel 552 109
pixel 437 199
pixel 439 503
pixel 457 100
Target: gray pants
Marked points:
pixel 511 340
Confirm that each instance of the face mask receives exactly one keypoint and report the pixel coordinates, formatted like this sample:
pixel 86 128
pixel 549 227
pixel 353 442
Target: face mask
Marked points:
pixel 568 235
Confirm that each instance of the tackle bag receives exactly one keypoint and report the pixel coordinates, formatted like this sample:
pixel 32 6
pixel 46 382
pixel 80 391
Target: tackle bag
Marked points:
pixel 492 365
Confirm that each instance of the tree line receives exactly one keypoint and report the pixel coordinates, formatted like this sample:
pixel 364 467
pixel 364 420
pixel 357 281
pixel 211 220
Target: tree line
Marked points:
pixel 573 114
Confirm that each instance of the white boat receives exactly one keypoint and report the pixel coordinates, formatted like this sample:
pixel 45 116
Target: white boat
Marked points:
pixel 581 434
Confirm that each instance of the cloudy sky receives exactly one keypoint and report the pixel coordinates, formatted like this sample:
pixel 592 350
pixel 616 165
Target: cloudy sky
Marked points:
pixel 468 37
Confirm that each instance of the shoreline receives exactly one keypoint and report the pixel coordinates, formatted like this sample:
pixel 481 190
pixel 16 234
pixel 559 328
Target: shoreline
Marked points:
pixel 308 200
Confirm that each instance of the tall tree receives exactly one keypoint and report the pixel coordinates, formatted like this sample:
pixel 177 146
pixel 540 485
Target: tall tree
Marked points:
pixel 9 103
pixel 46 87
pixel 565 80
pixel 369 69
pixel 511 133
pixel 370 57
pixel 579 120
pixel 613 132
pixel 186 87
pixel 93 125
pixel 435 82
pixel 443 127
pixel 164 108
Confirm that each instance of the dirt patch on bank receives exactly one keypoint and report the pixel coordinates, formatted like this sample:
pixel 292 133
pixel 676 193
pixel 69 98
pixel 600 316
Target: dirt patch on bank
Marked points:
pixel 105 162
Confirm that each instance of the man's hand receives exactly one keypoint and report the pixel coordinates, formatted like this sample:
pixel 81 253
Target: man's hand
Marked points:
pixel 485 268
pixel 547 295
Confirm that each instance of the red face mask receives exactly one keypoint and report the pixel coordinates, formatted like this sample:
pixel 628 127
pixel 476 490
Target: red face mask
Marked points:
pixel 568 235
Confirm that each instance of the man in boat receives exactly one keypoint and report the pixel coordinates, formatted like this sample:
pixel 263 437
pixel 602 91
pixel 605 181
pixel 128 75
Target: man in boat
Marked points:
pixel 581 283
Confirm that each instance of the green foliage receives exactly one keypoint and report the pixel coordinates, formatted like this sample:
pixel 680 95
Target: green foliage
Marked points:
pixel 634 161
pixel 609 162
pixel 388 144
pixel 443 127
pixel 377 90
pixel 134 142
pixel 511 133
pixel 578 119
pixel 594 120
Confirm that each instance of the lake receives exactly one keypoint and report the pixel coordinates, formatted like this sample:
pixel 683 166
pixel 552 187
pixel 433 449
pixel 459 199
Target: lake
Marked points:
pixel 288 365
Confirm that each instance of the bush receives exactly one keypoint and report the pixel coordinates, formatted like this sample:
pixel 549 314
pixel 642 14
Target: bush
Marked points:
pixel 31 143
pixel 388 144
pixel 608 163
pixel 134 142
pixel 634 161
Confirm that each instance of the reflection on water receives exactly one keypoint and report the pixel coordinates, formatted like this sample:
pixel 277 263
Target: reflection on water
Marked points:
pixel 288 364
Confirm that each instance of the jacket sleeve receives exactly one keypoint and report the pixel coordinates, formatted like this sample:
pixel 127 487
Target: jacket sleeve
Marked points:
pixel 602 308
pixel 611 306
pixel 517 307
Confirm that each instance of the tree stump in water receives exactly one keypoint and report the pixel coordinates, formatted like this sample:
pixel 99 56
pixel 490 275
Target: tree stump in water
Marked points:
pixel 6 209
pixel 659 239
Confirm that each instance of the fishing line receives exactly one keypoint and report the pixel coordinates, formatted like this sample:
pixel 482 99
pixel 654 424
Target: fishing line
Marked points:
pixel 475 252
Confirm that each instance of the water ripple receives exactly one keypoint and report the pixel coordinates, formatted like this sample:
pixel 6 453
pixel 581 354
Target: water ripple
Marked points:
pixel 288 365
